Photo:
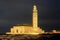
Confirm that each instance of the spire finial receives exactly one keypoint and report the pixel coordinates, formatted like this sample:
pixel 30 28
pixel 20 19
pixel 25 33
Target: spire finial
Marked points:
pixel 34 7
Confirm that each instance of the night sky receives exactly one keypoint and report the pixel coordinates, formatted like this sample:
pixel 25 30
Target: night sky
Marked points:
pixel 14 12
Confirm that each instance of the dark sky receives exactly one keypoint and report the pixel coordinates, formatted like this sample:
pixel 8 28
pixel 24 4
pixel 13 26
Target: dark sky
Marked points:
pixel 20 11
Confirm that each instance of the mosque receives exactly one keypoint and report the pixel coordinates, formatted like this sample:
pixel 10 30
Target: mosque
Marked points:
pixel 27 29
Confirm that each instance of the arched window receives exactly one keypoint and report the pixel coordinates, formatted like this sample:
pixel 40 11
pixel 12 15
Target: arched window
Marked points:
pixel 17 30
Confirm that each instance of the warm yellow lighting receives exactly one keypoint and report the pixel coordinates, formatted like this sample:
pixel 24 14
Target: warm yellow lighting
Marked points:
pixel 28 29
pixel 55 31
pixel 35 17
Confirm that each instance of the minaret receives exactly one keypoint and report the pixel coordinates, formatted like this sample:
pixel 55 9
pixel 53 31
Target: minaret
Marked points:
pixel 35 17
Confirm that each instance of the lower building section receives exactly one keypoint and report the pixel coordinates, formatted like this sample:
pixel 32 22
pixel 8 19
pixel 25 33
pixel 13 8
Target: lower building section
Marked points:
pixel 25 30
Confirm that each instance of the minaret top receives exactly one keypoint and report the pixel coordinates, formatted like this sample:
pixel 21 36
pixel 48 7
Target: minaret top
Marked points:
pixel 34 7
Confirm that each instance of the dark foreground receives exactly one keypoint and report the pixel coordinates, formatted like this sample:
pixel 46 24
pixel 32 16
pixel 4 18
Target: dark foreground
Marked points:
pixel 31 37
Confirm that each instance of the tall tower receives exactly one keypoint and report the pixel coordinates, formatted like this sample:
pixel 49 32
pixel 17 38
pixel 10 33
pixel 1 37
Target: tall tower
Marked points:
pixel 35 17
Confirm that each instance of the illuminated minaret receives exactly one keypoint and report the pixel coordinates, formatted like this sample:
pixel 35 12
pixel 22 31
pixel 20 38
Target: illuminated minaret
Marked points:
pixel 35 17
